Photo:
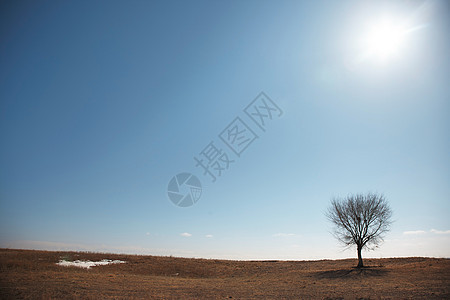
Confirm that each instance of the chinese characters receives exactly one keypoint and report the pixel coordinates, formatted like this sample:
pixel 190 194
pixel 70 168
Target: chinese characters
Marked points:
pixel 237 137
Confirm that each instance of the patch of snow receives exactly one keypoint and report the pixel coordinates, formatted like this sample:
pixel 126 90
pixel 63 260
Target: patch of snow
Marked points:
pixel 87 264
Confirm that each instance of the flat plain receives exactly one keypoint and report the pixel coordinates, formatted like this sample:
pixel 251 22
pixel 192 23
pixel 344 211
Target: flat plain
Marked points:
pixel 31 274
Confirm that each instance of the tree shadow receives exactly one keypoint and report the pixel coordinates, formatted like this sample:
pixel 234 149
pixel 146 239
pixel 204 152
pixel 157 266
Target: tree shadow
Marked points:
pixel 352 273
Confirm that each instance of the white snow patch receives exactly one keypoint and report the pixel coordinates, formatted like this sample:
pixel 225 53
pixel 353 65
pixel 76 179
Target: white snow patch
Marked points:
pixel 87 263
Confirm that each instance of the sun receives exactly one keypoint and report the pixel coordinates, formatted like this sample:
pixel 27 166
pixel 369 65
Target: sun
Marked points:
pixel 385 39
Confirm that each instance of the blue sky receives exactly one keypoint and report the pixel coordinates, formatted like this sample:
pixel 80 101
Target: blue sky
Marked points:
pixel 103 102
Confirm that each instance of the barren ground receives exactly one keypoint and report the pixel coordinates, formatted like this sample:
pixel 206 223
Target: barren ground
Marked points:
pixel 35 275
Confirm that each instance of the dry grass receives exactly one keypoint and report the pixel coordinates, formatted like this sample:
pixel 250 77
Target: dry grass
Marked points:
pixel 35 275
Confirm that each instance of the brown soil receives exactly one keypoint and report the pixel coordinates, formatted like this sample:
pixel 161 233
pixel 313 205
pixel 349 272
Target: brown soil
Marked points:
pixel 35 275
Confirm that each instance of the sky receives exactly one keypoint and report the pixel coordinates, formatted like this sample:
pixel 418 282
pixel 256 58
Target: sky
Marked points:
pixel 102 103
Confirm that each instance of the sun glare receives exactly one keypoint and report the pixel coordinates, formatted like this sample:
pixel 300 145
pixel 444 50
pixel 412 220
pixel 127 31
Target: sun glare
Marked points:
pixel 385 40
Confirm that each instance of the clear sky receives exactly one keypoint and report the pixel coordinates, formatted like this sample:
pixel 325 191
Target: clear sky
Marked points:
pixel 103 102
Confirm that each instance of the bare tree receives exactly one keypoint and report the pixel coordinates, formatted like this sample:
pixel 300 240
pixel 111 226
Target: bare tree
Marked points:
pixel 360 220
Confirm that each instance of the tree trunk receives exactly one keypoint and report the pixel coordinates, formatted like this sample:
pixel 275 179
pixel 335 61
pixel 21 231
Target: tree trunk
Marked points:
pixel 360 261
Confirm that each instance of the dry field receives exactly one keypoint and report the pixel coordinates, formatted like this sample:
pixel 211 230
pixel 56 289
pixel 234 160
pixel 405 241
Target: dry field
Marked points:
pixel 35 275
